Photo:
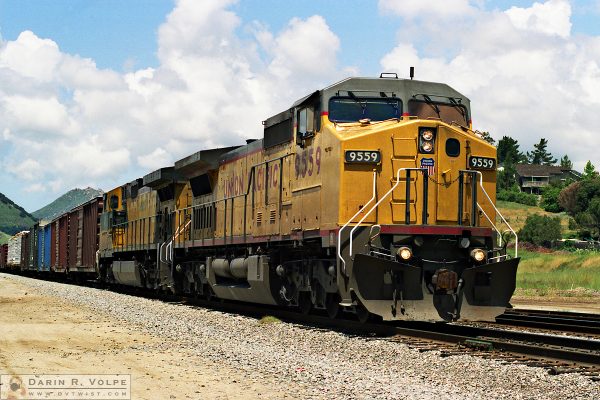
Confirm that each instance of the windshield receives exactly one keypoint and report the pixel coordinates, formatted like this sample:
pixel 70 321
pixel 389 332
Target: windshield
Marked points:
pixel 447 112
pixel 352 109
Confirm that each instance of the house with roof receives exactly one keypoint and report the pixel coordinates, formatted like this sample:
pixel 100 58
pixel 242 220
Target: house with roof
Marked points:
pixel 532 177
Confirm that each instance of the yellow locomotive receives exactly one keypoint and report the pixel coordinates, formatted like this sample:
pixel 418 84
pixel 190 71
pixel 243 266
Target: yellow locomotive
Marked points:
pixel 373 196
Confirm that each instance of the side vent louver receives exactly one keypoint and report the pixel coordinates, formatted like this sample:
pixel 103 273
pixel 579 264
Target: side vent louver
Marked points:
pixel 258 217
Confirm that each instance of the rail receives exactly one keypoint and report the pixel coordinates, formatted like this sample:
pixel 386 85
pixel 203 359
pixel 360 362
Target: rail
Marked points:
pixel 407 201
pixel 495 209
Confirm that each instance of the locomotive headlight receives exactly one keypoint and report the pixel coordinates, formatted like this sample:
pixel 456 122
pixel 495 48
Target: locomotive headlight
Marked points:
pixel 478 255
pixel 404 253
pixel 427 134
pixel 427 146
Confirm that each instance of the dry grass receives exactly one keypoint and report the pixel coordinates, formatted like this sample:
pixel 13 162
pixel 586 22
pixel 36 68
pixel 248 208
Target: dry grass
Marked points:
pixel 516 214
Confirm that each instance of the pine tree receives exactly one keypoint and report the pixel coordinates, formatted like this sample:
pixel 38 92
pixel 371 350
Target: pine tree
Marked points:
pixel 565 163
pixel 487 137
pixel 509 148
pixel 540 155
pixel 589 171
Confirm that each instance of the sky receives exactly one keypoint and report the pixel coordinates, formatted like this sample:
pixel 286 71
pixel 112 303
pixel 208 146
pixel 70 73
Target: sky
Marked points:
pixel 98 93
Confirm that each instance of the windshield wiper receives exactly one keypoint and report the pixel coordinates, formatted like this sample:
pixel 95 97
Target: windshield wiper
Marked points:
pixel 460 109
pixel 432 104
pixel 356 99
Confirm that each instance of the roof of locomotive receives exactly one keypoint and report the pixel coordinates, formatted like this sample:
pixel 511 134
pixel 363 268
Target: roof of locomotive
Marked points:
pixel 405 89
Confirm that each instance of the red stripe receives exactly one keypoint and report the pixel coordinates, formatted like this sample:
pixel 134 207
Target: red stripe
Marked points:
pixel 435 230
pixel 324 113
pixel 406 114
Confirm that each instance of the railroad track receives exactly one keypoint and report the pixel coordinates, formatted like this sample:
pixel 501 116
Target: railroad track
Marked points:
pixel 553 320
pixel 558 354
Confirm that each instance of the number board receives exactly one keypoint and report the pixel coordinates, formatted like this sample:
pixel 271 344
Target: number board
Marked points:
pixel 363 156
pixel 476 162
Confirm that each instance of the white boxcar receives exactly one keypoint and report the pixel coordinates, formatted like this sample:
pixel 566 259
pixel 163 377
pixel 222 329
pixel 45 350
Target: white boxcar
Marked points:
pixel 14 250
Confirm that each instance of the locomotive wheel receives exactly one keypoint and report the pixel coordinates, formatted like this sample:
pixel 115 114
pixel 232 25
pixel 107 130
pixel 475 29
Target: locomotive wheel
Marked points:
pixel 305 302
pixel 362 313
pixel 332 304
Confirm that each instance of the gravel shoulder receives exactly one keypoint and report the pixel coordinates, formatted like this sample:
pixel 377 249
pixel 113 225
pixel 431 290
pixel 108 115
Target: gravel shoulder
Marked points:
pixel 176 351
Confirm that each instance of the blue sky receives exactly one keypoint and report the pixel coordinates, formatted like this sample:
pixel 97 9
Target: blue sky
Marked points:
pixel 104 57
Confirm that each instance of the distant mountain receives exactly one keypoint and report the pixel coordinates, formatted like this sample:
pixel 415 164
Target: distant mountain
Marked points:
pixel 66 202
pixel 13 218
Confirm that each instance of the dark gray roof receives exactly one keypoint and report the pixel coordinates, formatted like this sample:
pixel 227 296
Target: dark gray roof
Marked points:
pixel 543 170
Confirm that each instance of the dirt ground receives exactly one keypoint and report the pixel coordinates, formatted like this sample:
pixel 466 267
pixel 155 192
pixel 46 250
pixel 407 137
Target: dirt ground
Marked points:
pixel 41 335
pixel 563 303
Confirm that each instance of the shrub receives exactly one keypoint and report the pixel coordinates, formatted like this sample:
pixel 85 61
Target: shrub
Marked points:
pixel 550 199
pixel 517 197
pixel 541 230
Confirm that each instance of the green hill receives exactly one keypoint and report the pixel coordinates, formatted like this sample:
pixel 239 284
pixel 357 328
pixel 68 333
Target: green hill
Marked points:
pixel 66 202
pixel 13 218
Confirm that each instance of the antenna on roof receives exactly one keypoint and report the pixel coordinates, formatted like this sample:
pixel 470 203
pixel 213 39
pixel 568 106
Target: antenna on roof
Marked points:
pixel 412 73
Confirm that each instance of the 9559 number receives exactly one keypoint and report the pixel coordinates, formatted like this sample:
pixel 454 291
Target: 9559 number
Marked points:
pixel 476 162
pixel 363 156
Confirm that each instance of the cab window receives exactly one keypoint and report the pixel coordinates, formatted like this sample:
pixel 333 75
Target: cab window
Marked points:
pixel 306 121
pixel 447 112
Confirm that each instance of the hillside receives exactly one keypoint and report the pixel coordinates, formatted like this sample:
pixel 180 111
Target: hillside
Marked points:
pixel 66 202
pixel 516 214
pixel 13 218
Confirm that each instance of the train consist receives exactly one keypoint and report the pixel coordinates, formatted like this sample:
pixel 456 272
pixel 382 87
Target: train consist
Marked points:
pixel 372 196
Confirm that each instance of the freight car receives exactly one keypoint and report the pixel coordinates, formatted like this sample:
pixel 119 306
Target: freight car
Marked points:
pixel 373 196
pixel 18 247
pixel 3 255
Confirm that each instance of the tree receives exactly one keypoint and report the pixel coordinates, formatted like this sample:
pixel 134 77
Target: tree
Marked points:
pixel 507 177
pixel 582 201
pixel 541 230
pixel 550 196
pixel 567 198
pixel 488 138
pixel 589 171
pixel 509 148
pixel 540 155
pixel 565 163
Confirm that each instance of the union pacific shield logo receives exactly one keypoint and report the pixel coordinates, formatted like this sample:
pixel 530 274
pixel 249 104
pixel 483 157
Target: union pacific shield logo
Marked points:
pixel 428 163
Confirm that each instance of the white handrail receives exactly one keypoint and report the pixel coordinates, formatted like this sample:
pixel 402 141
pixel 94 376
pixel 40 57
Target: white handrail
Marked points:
pixel 490 221
pixel 498 212
pixel 380 200
pixel 339 242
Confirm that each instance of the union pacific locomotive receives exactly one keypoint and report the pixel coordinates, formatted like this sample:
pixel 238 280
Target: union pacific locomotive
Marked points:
pixel 372 196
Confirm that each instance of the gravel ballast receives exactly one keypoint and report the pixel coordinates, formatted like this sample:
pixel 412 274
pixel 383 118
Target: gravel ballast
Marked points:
pixel 320 364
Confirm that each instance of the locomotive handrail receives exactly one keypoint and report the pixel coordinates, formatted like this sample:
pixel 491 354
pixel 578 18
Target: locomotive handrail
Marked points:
pixel 498 212
pixel 339 247
pixel 424 170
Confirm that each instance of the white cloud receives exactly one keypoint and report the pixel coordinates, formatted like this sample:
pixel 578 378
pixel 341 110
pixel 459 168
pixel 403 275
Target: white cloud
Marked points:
pixel 87 126
pixel 28 169
pixel 433 9
pixel 525 75
pixel 551 18
pixel 157 159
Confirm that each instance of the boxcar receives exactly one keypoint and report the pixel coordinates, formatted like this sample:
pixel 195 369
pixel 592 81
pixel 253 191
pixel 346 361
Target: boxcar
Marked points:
pixel 3 255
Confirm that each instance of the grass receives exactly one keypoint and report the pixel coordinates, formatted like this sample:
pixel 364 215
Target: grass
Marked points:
pixel 516 214
pixel 571 274
pixel 4 238
pixel 268 319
